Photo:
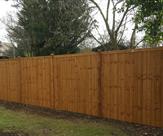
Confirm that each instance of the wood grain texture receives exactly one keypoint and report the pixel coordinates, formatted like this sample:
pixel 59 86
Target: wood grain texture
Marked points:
pixel 122 85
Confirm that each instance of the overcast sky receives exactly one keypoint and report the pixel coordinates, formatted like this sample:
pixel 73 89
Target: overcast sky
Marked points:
pixel 5 7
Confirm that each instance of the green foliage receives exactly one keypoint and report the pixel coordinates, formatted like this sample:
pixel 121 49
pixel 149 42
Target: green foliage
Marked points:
pixel 150 19
pixel 51 27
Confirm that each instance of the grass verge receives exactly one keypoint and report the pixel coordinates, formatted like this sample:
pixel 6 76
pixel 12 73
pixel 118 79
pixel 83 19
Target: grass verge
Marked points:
pixel 37 125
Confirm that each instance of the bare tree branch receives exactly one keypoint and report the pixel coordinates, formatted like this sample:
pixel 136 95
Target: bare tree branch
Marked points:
pixel 114 11
pixel 119 2
pixel 124 27
pixel 99 35
pixel 98 7
pixel 96 39
pixel 107 11
pixel 102 14
pixel 139 42
pixel 123 17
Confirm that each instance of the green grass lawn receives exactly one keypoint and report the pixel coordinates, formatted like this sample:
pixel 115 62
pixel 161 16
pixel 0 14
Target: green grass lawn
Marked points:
pixel 38 125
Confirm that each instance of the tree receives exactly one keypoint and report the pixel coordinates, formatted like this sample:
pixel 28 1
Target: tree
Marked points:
pixel 145 15
pixel 150 19
pixel 116 26
pixel 47 26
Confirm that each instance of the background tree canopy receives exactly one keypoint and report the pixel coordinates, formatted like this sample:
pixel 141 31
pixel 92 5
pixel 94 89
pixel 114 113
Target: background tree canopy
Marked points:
pixel 50 26
pixel 145 16
pixel 150 19
pixel 47 27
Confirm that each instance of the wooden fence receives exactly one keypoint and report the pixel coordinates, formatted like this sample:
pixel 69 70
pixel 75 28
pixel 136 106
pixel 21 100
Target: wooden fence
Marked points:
pixel 122 85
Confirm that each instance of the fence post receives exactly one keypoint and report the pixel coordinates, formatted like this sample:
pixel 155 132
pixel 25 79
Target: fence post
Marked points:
pixel 161 124
pixel 100 82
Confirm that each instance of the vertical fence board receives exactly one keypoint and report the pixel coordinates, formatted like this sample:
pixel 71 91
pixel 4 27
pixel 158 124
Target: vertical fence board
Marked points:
pixel 161 89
